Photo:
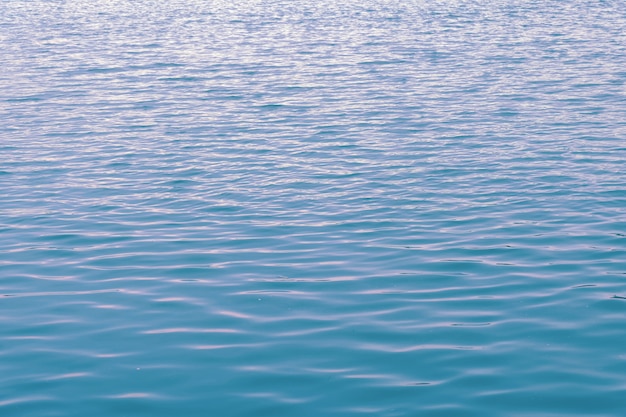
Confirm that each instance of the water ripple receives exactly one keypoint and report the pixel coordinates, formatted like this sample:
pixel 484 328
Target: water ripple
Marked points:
pixel 382 208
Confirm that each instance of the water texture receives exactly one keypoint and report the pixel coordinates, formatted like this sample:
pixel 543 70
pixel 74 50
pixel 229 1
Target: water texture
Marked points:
pixel 295 208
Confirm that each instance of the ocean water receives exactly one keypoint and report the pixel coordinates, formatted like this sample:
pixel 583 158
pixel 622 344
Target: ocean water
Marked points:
pixel 312 208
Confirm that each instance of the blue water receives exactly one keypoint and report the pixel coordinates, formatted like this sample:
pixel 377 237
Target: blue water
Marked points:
pixel 298 208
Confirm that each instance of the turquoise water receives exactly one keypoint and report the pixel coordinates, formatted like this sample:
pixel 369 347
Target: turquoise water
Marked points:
pixel 294 208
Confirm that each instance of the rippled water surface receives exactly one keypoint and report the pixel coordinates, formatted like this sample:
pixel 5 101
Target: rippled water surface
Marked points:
pixel 300 208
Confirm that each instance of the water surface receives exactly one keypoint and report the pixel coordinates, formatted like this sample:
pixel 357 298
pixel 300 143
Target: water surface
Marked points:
pixel 292 208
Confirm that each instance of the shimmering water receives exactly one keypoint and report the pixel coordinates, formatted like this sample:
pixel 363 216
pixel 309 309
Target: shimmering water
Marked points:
pixel 298 208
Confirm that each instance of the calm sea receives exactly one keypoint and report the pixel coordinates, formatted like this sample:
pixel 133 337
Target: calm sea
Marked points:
pixel 312 208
